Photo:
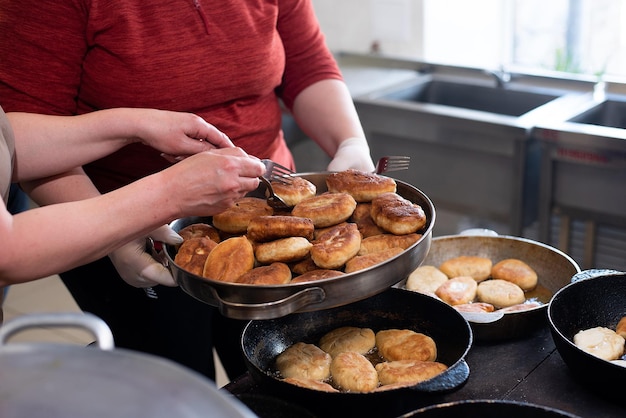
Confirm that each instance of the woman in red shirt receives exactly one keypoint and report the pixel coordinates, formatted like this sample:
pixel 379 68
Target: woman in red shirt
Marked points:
pixel 231 62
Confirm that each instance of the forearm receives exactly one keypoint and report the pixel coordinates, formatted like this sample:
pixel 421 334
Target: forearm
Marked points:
pixel 67 187
pixel 46 145
pixel 55 238
pixel 326 113
pixel 46 240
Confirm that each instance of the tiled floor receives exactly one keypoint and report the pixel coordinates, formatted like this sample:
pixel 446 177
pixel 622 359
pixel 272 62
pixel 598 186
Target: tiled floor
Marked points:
pixel 50 295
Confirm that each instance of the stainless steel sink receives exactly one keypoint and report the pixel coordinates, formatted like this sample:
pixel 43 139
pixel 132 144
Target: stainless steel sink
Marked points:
pixel 609 113
pixel 506 100
pixel 468 139
pixel 583 173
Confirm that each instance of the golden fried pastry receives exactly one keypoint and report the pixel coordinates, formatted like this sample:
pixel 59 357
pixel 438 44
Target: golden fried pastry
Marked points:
pixel 477 267
pixel 353 372
pixel 193 253
pixel 363 219
pixel 320 231
pixel 295 192
pixel 310 384
pixel 601 342
pixel 397 215
pixel 500 293
pixel 458 290
pixel 425 279
pixel 405 344
pixel 386 241
pixel 315 275
pixel 408 371
pixel 269 228
pixel 304 361
pixel 283 250
pixel 336 246
pixel 235 219
pixel 200 230
pixel 339 340
pixel 361 185
pixel 361 262
pixel 515 271
pixel 475 307
pixel 229 260
pixel 303 266
pixel 275 273
pixel 326 209
pixel 621 327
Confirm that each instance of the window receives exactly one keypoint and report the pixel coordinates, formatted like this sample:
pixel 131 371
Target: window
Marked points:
pixel 576 36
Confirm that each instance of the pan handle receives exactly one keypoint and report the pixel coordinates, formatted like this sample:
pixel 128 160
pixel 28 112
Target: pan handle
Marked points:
pixel 481 232
pixel 482 317
pixel 593 273
pixel 270 310
pixel 86 321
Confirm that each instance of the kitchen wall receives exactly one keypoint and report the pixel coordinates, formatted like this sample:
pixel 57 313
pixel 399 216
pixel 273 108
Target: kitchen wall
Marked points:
pixel 394 26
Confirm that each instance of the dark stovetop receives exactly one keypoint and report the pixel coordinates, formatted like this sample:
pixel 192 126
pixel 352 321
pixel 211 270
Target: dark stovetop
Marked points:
pixel 528 370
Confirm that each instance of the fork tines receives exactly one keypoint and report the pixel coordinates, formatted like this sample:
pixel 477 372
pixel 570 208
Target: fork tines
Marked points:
pixel 277 172
pixel 281 174
pixel 399 162
pixel 393 163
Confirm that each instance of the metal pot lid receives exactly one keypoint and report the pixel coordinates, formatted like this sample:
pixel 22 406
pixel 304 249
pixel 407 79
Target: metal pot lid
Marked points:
pixel 56 380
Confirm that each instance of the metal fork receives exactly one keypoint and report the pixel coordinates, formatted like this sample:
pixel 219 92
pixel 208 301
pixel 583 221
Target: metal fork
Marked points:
pixel 278 173
pixel 392 163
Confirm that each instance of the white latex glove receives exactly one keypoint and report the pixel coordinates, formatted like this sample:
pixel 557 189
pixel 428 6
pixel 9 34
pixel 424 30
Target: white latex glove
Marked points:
pixel 138 268
pixel 352 153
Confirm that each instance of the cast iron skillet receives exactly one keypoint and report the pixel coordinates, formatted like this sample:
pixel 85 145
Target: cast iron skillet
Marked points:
pixel 554 270
pixel 487 409
pixel 262 341
pixel 594 298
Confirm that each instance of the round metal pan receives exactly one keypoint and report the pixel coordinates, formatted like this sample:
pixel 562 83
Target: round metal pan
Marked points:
pixel 263 341
pixel 554 270
pixel 241 301
pixel 595 298
pixel 487 409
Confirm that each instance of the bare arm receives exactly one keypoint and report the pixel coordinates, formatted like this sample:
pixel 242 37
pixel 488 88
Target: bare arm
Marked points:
pixel 49 144
pixel 326 113
pixel 46 145
pixel 54 238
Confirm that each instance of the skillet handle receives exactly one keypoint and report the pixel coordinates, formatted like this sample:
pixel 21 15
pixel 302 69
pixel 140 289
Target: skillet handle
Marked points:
pixel 270 310
pixel 593 273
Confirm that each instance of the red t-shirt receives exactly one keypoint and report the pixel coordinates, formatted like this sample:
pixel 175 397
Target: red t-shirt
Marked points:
pixel 227 61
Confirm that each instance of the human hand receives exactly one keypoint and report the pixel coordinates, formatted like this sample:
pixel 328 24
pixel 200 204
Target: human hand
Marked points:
pixel 352 153
pixel 209 182
pixel 138 268
pixel 177 133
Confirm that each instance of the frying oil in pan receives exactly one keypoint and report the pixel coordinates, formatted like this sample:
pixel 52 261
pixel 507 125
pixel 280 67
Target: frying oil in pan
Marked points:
pixel 539 294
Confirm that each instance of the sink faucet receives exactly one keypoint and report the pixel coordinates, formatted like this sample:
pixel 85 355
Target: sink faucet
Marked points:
pixel 502 77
